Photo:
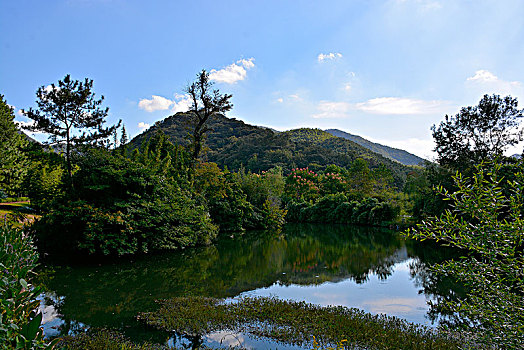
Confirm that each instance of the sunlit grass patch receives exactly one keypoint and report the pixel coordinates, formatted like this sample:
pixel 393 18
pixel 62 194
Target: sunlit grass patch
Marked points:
pixel 296 323
pixel 19 213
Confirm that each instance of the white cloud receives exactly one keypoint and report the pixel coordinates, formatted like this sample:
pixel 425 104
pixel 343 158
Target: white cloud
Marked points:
pixel 19 113
pixel 280 100
pixel 484 79
pixel 483 76
pixel 183 104
pixel 143 125
pixel 330 109
pixel 347 87
pixel 157 103
pixel 328 56
pixel 234 72
pixel 398 105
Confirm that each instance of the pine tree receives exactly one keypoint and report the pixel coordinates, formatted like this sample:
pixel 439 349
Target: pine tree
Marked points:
pixel 71 115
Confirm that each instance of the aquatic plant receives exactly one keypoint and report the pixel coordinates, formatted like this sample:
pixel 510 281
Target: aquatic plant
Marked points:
pixel 296 323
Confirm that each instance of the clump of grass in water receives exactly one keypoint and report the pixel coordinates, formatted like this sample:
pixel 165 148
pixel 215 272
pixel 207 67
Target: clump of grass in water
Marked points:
pixel 103 340
pixel 295 323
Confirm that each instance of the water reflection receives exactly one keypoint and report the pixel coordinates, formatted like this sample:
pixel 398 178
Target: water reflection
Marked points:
pixel 317 263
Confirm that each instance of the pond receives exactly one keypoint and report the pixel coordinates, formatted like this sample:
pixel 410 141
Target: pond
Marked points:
pixel 372 269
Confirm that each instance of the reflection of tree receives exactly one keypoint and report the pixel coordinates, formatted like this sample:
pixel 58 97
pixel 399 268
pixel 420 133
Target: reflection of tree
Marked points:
pixel 441 289
pixel 111 295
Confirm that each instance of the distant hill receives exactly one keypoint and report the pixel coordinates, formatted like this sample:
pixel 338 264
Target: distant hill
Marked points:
pixel 399 155
pixel 234 144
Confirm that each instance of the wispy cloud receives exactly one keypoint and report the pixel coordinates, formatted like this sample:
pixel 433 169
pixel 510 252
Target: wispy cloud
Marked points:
pixel 402 106
pixel 422 5
pixel 233 73
pixel 328 56
pixel 156 103
pixel 143 125
pixel 330 109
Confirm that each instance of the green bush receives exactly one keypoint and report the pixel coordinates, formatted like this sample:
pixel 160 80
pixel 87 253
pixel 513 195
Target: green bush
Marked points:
pixel 119 206
pixel 19 316
pixel 336 208
pixel 486 223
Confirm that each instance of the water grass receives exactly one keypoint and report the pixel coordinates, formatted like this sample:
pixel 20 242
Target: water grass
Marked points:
pixel 103 340
pixel 296 323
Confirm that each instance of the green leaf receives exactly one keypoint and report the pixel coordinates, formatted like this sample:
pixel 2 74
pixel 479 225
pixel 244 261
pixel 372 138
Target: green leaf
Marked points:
pixel 23 283
pixel 30 330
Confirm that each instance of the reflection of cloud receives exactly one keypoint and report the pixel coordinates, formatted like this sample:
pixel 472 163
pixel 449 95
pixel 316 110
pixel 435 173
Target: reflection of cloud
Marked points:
pixel 394 305
pixel 227 339
pixel 49 314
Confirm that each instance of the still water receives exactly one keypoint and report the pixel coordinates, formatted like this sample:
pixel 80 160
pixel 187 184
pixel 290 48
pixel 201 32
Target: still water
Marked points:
pixel 368 268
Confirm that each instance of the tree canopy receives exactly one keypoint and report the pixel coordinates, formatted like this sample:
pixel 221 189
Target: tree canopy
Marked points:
pixel 71 115
pixel 12 158
pixel 478 133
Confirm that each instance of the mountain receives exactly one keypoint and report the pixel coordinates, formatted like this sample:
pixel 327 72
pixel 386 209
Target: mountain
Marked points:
pixel 399 155
pixel 235 144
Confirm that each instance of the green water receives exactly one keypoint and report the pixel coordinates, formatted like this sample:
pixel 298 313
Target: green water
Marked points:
pixel 369 268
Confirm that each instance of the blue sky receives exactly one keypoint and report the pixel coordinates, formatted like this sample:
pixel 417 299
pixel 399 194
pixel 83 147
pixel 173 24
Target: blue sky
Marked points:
pixel 385 70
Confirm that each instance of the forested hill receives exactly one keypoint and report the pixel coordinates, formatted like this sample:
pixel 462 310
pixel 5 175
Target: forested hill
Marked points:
pixel 233 143
pixel 399 155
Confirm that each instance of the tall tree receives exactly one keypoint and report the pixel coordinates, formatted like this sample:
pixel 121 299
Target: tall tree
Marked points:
pixel 478 133
pixel 205 103
pixel 71 115
pixel 12 157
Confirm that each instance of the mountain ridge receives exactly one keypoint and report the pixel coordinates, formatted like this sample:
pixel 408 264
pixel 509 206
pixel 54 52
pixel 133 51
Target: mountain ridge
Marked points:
pixel 234 144
pixel 396 154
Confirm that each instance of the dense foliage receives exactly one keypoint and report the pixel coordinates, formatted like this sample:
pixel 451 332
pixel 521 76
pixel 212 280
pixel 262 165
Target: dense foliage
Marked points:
pixel 19 315
pixel 13 160
pixel 486 222
pixel 119 206
pixel 478 133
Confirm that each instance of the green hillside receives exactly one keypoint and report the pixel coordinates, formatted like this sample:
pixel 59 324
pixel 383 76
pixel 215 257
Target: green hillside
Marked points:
pixel 399 155
pixel 234 144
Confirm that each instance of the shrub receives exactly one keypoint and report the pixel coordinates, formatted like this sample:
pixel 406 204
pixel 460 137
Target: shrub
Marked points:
pixel 486 222
pixel 19 316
